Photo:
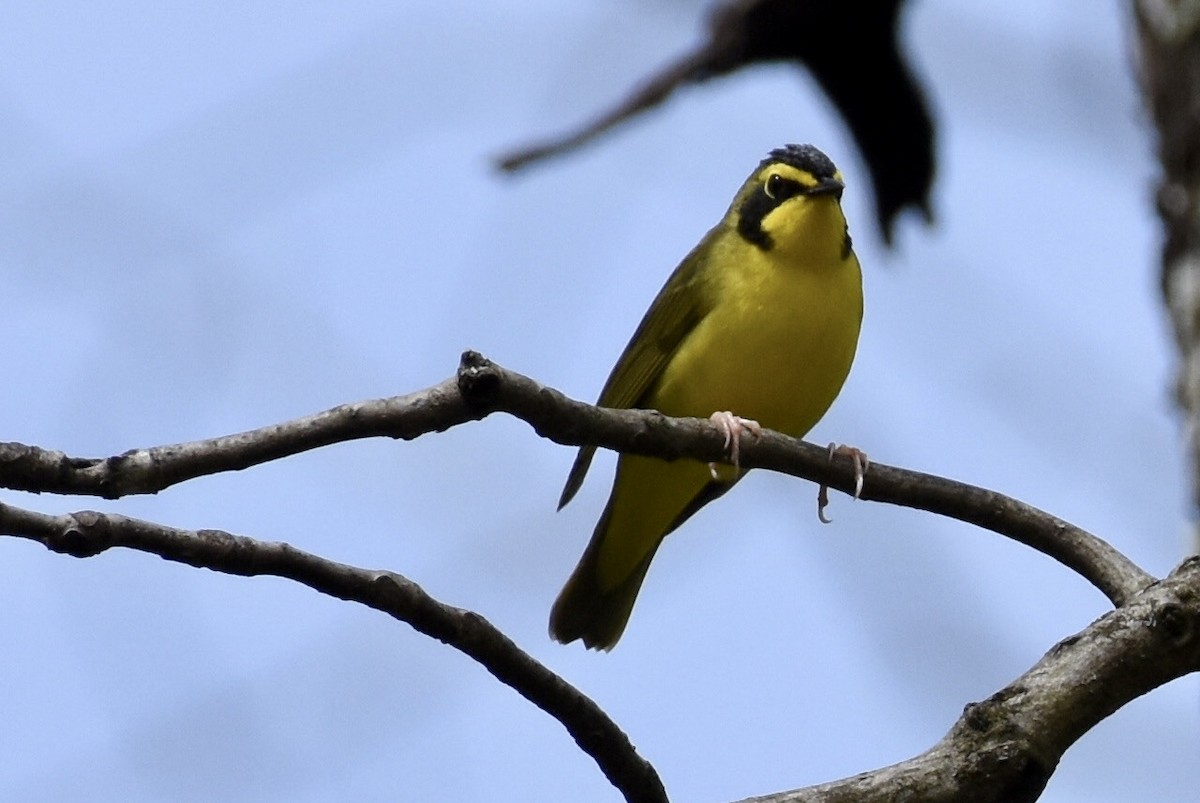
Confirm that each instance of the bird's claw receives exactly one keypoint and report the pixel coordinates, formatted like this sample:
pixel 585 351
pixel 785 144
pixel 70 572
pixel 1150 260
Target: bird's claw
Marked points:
pixel 732 426
pixel 861 463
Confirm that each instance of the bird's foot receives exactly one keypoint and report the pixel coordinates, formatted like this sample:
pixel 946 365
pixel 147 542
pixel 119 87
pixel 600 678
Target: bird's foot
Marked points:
pixel 732 426
pixel 861 464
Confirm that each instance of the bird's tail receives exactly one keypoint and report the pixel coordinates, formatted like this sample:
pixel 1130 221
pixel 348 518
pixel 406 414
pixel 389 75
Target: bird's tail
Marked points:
pixel 585 610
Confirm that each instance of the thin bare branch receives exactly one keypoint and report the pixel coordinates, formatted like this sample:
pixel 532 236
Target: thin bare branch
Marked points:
pixel 1004 749
pixel 88 533
pixel 654 91
pixel 482 387
pixel 147 471
pixel 553 416
pixel 884 108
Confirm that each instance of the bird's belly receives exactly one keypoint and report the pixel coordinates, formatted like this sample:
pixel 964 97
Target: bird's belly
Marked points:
pixel 779 367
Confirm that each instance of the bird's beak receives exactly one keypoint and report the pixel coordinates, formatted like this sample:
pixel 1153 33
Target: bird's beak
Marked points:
pixel 828 186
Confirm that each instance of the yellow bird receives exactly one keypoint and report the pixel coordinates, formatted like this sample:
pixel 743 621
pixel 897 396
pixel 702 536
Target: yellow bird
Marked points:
pixel 761 319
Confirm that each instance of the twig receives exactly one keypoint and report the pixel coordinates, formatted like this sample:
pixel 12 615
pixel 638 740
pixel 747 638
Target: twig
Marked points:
pixel 654 91
pixel 147 471
pixel 88 533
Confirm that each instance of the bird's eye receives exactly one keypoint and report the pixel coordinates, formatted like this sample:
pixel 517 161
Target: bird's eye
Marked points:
pixel 774 185
pixel 779 188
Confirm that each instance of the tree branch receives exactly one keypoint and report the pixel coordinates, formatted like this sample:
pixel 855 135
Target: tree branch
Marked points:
pixel 482 387
pixel 1168 52
pixel 148 471
pixel 1004 749
pixel 87 533
pixel 884 107
pixel 690 68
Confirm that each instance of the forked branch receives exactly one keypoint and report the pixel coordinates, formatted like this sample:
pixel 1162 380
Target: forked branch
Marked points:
pixel 1004 748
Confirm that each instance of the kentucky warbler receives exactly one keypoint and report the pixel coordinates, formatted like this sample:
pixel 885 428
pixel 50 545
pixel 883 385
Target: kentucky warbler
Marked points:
pixel 762 319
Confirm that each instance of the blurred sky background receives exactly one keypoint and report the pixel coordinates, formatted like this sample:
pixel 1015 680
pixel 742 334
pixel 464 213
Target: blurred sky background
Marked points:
pixel 214 218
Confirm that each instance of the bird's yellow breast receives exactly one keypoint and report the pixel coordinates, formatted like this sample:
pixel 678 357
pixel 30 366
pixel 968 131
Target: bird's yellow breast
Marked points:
pixel 776 345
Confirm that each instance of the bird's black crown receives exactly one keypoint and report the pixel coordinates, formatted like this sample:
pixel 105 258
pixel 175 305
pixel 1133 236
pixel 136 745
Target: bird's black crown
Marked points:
pixel 802 157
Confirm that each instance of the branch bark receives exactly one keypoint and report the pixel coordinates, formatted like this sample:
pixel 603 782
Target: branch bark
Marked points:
pixel 1004 748
pixel 481 388
pixel 1168 49
pixel 88 533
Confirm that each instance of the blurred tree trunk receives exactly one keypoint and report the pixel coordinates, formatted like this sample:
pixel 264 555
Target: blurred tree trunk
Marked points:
pixel 1168 52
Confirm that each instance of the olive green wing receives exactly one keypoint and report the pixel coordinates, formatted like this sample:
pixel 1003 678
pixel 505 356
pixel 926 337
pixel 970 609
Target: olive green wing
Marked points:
pixel 681 304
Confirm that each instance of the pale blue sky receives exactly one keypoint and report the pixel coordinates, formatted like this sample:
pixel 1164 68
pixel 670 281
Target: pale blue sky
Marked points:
pixel 212 220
